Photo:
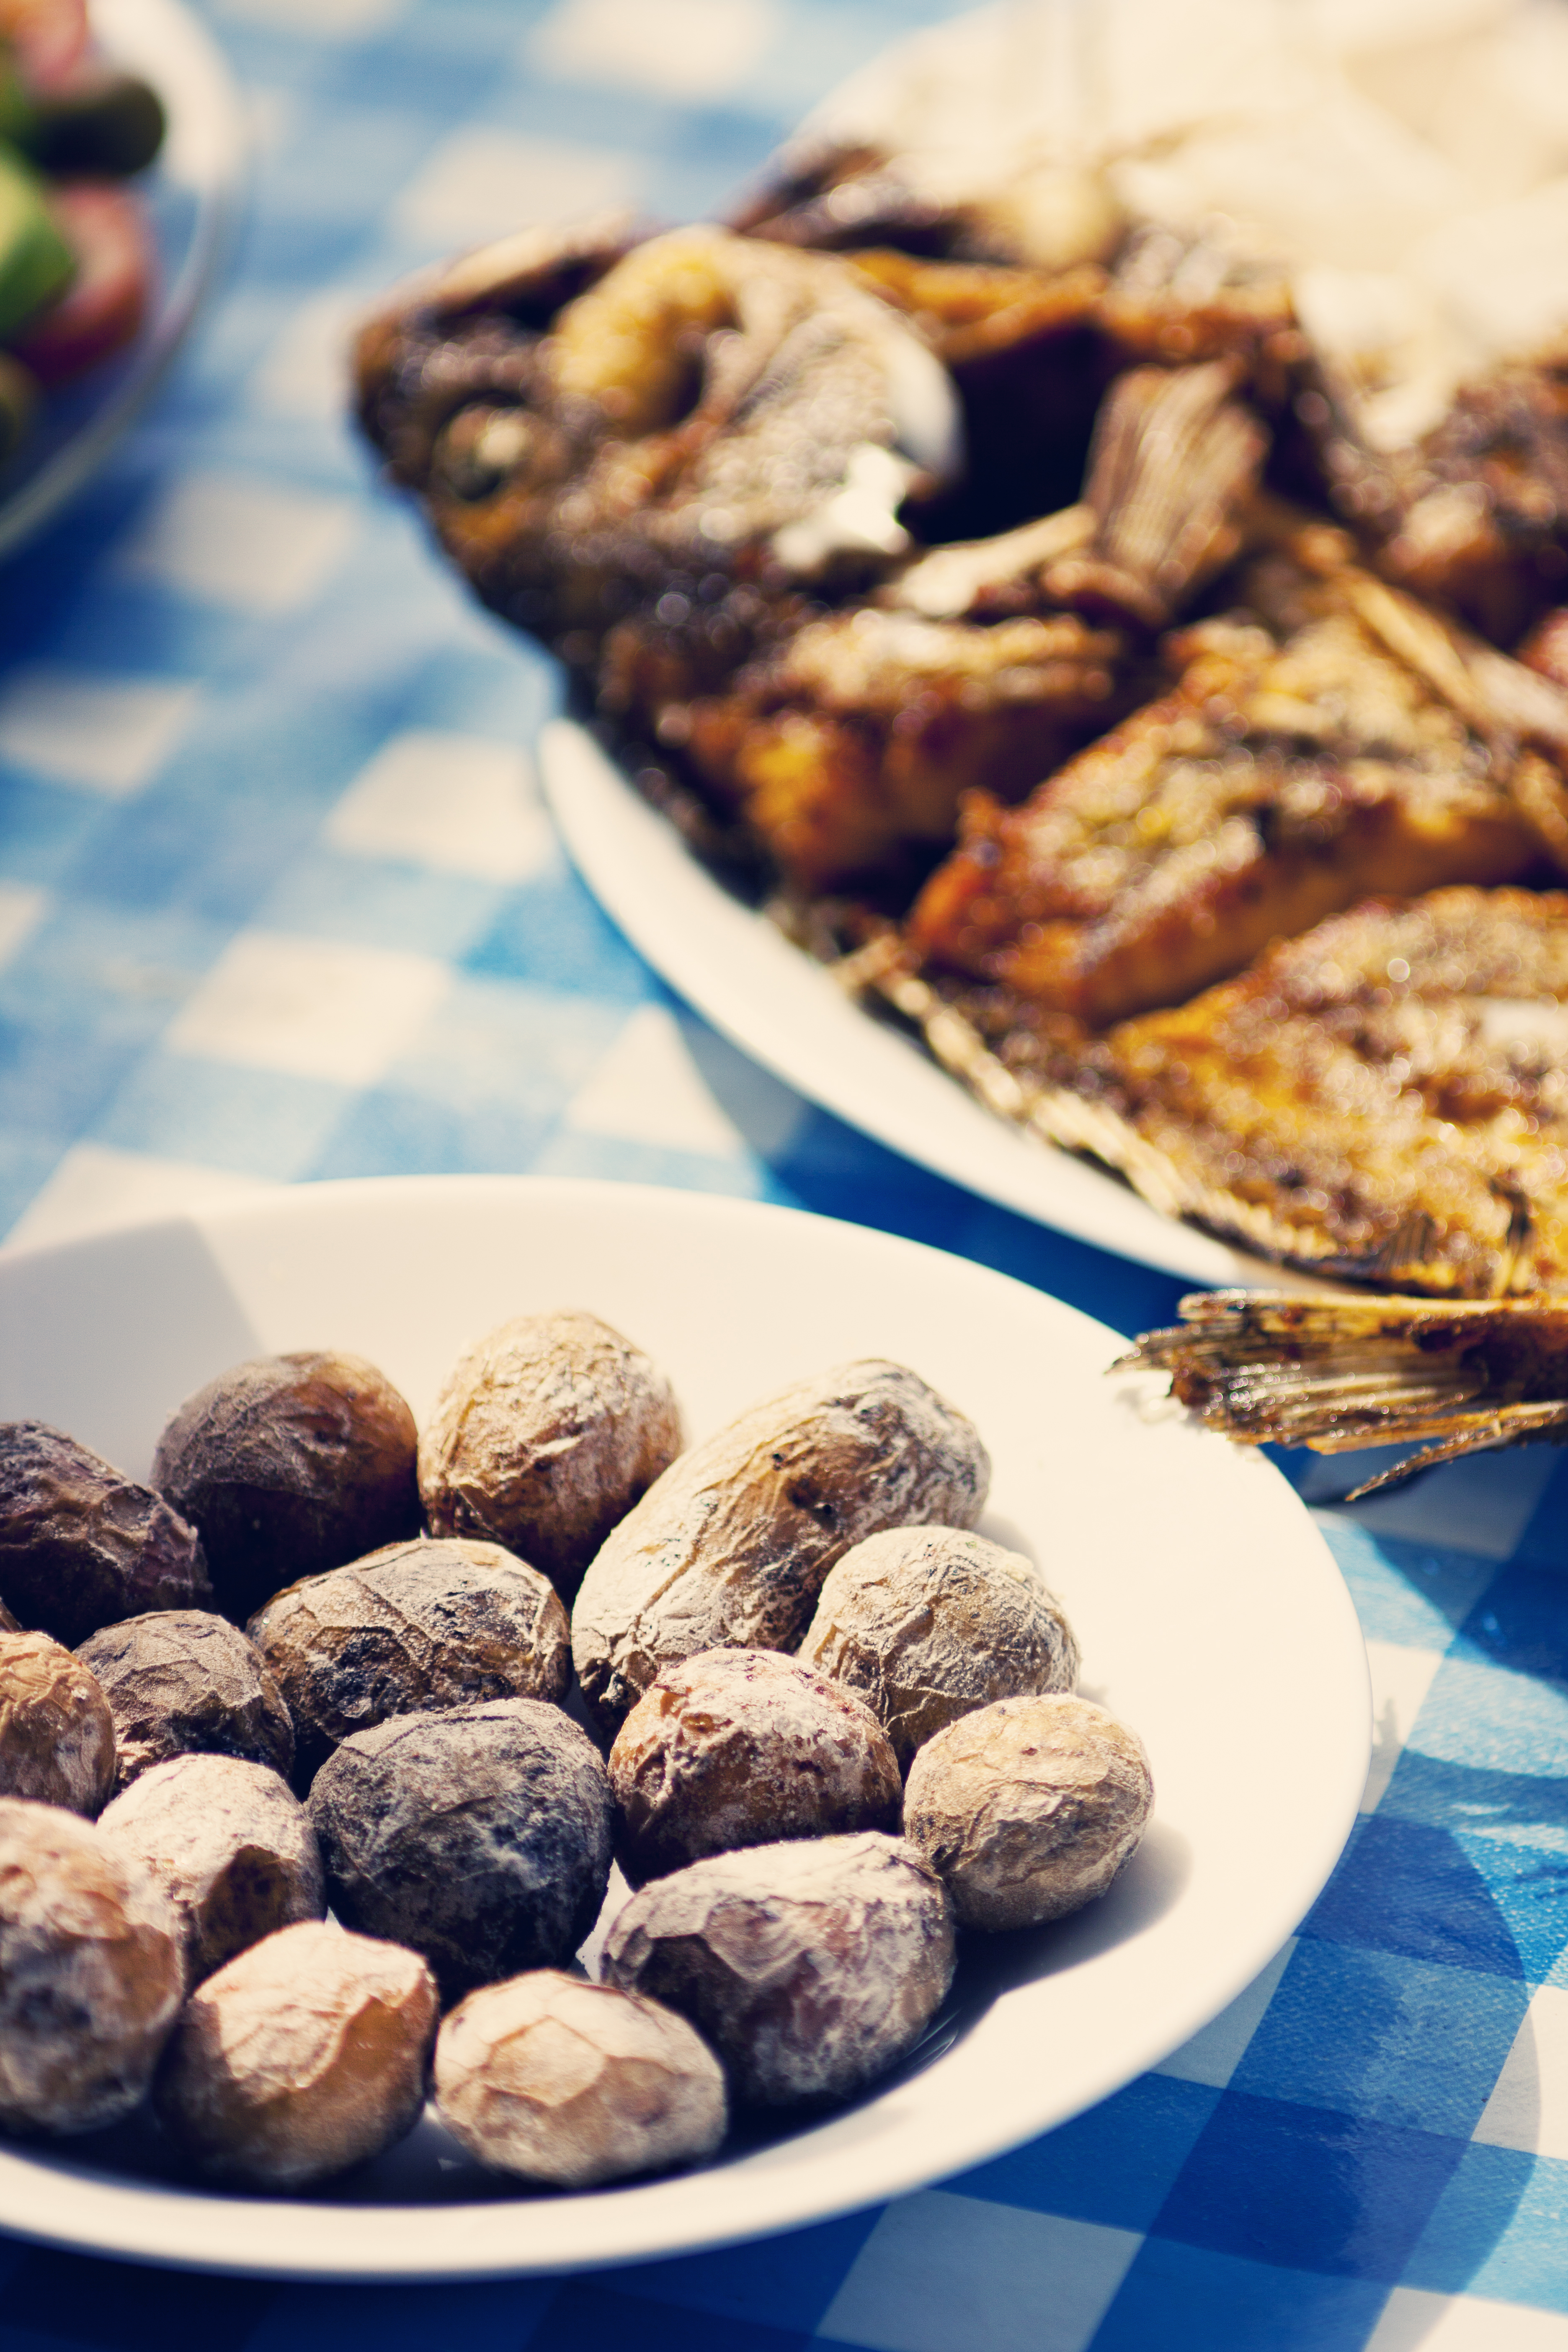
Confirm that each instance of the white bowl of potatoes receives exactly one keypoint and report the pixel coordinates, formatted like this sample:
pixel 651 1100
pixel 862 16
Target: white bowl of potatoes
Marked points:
pixel 1164 1602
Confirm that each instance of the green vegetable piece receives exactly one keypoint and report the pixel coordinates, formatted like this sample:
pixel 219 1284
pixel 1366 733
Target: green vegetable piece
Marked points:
pixel 36 262
pixel 17 111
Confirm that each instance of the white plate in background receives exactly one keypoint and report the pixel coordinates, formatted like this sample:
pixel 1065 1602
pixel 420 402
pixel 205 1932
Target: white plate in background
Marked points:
pixel 193 195
pixel 1210 1613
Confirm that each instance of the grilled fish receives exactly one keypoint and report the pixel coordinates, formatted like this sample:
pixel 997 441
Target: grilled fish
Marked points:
pixel 707 422
pixel 846 747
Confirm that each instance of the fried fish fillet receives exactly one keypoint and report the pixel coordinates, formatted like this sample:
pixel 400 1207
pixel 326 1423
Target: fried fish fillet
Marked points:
pixel 1384 1099
pixel 848 748
pixel 1391 1089
pixel 1293 770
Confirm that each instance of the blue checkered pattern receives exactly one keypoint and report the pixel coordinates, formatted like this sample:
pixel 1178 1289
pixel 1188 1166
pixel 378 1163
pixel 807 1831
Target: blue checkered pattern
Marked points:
pixel 235 951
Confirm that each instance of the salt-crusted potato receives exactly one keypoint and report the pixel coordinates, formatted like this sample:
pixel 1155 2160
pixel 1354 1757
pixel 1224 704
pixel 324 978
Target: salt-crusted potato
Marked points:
pixel 56 1734
pixel 230 1845
pixel 307 2054
pixel 480 1836
pixel 435 1623
pixel 729 1549
pixel 185 1682
pixel 91 1976
pixel 81 1544
pixel 545 1435
pixel 744 1748
pixel 811 1968
pixel 570 2083
pixel 1030 1808
pixel 286 1464
pixel 928 1623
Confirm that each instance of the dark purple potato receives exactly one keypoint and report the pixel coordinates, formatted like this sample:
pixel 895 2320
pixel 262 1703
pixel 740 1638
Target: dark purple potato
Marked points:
pixel 287 1465
pixel 82 1546
pixel 480 1836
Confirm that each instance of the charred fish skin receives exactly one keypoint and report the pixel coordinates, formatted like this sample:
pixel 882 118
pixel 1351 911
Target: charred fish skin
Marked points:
pixel 468 332
pixel 1338 1375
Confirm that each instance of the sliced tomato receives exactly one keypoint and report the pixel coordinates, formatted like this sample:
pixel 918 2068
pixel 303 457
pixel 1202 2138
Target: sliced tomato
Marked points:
pixel 103 307
pixel 48 37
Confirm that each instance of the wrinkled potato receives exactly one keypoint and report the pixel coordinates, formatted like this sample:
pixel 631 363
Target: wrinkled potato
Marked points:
pixel 56 1734
pixel 745 1748
pixel 480 1836
pixel 81 1545
pixel 287 1464
pixel 1028 1808
pixel 544 1435
pixel 810 1967
pixel 572 2084
pixel 307 2054
pixel 185 1682
pixel 422 1625
pixel 91 1976
pixel 928 1623
pixel 729 1549
pixel 230 1844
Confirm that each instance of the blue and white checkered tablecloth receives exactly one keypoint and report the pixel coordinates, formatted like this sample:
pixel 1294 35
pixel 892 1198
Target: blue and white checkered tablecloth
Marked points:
pixel 237 950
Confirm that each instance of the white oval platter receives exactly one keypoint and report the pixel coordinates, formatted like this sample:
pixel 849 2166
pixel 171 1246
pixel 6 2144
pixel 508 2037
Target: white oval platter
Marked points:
pixel 1210 1613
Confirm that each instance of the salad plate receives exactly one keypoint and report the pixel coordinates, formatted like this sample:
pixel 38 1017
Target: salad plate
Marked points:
pixel 193 197
pixel 1211 1616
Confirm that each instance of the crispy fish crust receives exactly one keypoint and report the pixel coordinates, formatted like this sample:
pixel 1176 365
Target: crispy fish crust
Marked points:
pixel 1293 770
pixel 856 739
pixel 1384 1099
pixel 1393 1088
